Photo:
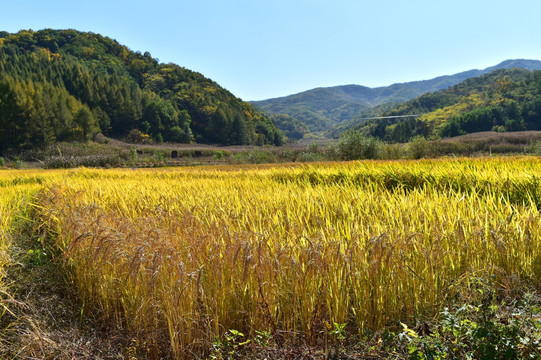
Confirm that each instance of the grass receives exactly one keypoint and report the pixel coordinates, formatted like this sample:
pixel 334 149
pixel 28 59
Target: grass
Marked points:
pixel 319 255
pixel 352 146
pixel 16 192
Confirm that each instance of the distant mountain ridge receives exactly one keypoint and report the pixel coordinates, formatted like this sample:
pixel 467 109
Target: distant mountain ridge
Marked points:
pixel 322 108
pixel 504 100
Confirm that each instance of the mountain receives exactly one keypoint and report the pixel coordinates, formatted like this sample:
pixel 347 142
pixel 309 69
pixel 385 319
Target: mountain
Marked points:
pixel 322 108
pixel 66 85
pixel 503 100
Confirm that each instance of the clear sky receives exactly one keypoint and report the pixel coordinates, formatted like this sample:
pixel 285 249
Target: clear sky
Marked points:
pixel 260 49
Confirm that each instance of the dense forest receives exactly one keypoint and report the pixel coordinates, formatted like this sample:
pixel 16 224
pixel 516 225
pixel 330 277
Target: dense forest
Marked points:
pixel 66 85
pixel 504 100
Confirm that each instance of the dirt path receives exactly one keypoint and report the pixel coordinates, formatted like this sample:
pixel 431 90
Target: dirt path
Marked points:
pixel 43 321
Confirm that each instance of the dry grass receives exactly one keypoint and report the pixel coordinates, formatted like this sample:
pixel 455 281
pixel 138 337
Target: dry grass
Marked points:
pixel 492 137
pixel 16 191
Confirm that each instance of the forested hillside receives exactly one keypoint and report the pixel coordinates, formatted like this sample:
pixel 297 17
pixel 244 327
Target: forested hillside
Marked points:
pixel 504 100
pixel 319 109
pixel 64 85
pixel 322 108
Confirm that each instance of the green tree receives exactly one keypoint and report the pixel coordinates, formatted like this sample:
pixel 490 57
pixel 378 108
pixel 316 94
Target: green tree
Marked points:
pixel 86 124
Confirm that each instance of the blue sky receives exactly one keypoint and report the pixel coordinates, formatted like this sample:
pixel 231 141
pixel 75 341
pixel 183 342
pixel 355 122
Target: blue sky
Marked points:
pixel 260 49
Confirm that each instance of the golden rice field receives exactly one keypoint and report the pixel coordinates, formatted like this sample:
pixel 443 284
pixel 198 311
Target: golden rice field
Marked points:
pixel 180 256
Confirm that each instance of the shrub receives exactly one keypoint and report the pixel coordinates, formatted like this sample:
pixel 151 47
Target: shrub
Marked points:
pixel 535 148
pixel 18 164
pixel 354 146
pixel 101 139
pixel 137 137
pixel 218 155
pixel 313 147
pixel 261 157
pixel 484 331
pixel 418 147
pixel 391 151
